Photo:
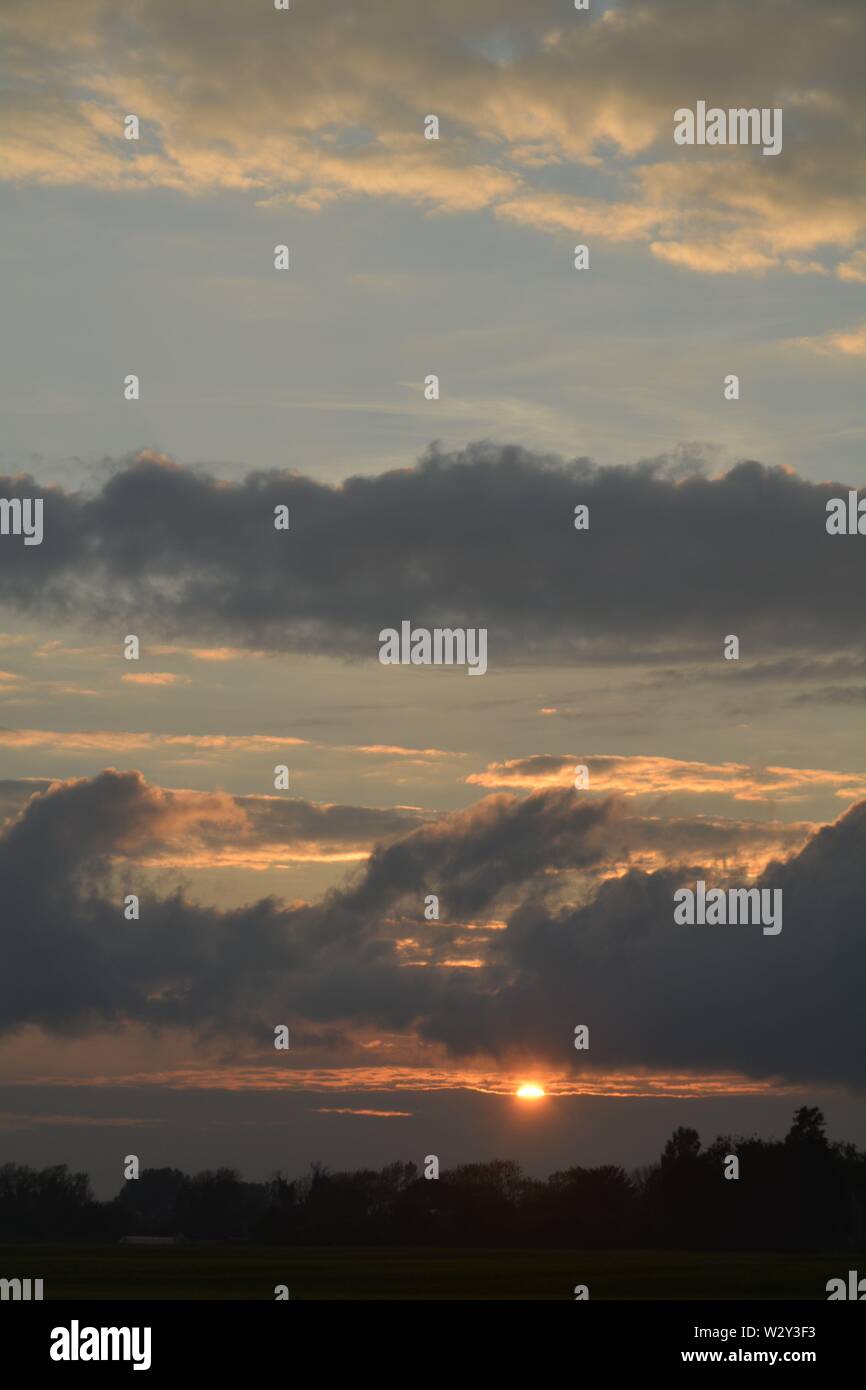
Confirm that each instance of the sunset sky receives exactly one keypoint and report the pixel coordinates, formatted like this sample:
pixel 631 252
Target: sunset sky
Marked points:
pixel 305 388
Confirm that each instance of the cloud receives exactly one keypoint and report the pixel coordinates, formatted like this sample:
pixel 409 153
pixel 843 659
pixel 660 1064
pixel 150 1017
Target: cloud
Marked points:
pixel 854 269
pixel 558 212
pixel 479 538
pixel 714 257
pixel 420 1078
pixel 717 999
pixel 317 106
pixel 72 961
pixel 636 775
pixel 191 829
pixel 156 678
pixel 377 1114
pixel 181 750
pixel 219 655
pixel 12 1122
pixel 832 695
pixel 119 741
pixel 837 344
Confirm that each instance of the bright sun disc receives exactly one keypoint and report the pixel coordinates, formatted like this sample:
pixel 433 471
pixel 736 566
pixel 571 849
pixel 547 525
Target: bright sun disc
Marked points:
pixel 530 1091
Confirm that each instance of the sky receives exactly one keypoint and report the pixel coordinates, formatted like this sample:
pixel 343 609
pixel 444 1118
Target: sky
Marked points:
pixel 558 387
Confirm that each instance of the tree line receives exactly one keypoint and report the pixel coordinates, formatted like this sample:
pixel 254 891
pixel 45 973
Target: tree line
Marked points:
pixel 798 1193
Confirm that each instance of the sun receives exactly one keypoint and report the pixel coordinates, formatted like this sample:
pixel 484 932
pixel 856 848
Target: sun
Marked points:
pixel 529 1091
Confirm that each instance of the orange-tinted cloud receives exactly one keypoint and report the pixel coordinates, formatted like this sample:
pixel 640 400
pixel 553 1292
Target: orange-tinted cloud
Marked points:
pixel 109 741
pixel 129 741
pixel 184 829
pixel 837 344
pixel 638 775
pixel 156 678
pixel 281 110
pixel 376 1114
pixel 634 1083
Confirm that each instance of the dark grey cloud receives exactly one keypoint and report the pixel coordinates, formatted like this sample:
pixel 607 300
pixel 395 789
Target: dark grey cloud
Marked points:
pixel 832 695
pixel 653 993
pixel 159 817
pixel 786 670
pixel 482 538
pixel 309 822
pixel 659 995
pixel 485 855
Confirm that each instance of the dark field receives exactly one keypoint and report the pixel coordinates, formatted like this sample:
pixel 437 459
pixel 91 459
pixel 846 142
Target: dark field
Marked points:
pixel 251 1272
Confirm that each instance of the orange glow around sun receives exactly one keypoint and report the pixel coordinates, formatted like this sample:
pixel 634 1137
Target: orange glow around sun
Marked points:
pixel 529 1091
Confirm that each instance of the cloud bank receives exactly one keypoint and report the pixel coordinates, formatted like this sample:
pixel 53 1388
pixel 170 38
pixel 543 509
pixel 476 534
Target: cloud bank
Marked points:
pixel 606 954
pixel 326 103
pixel 672 562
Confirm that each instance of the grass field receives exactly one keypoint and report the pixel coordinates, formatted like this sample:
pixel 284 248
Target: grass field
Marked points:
pixel 251 1272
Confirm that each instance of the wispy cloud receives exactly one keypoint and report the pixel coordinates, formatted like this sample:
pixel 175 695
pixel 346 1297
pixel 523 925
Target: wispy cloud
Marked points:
pixel 422 1080
pixel 850 343
pixel 635 775
pixel 278 111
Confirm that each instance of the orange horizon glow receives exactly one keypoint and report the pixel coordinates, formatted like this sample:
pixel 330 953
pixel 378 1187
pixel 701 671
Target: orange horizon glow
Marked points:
pixel 530 1091
pixel 396 1078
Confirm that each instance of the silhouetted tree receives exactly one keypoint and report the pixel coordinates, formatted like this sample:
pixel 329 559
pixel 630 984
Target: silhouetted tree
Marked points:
pixel 150 1204
pixel 53 1204
pixel 797 1193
